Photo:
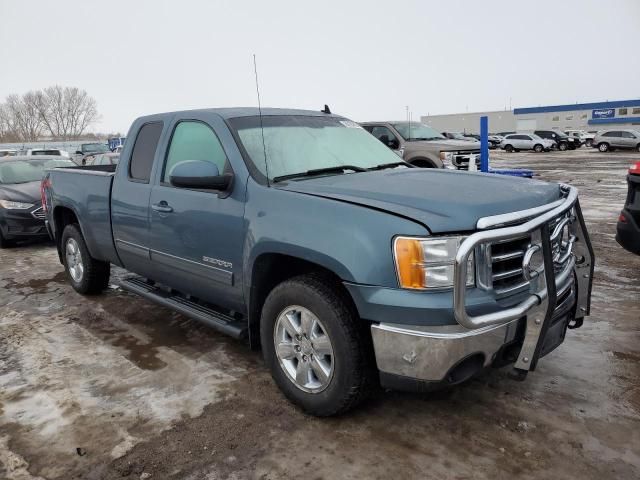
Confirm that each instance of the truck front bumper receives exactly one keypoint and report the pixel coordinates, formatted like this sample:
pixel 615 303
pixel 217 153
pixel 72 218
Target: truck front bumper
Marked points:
pixel 559 298
pixel 411 357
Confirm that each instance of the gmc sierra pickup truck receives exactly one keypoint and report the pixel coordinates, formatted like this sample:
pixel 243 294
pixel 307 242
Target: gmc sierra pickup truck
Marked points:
pixel 350 268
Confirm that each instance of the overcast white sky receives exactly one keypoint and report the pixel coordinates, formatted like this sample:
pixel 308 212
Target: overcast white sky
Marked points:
pixel 366 59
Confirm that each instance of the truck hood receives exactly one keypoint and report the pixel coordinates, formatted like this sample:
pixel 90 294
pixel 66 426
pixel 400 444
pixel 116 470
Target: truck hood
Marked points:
pixel 444 145
pixel 21 192
pixel 442 201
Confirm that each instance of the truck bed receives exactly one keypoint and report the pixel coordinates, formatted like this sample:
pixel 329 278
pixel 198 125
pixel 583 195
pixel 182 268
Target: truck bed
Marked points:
pixel 86 190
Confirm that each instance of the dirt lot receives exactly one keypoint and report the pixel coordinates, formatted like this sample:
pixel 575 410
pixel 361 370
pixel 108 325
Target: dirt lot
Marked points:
pixel 113 386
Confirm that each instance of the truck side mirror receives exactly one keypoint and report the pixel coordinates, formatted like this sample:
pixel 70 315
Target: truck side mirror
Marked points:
pixel 199 175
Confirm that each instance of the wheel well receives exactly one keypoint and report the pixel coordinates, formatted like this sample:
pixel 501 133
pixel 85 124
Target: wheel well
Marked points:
pixel 62 216
pixel 271 269
pixel 422 163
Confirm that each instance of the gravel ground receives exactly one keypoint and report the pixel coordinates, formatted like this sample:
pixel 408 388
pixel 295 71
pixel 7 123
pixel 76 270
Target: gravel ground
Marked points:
pixel 113 386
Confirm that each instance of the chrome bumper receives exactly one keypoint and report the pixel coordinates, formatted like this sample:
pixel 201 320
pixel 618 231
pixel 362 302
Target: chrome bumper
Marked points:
pixel 429 353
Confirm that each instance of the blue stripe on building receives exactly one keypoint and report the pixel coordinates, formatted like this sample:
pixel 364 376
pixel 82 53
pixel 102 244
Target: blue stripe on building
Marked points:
pixel 600 121
pixel 578 106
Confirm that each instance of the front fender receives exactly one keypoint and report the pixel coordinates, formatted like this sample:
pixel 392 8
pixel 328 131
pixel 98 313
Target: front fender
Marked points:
pixel 352 241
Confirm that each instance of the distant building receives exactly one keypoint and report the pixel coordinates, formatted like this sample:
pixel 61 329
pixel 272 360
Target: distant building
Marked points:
pixel 578 116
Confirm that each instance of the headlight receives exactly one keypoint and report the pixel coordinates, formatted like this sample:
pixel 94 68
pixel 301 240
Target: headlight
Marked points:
pixel 446 158
pixel 428 263
pixel 11 205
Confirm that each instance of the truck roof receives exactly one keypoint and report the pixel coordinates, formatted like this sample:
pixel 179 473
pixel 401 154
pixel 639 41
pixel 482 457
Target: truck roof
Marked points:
pixel 235 112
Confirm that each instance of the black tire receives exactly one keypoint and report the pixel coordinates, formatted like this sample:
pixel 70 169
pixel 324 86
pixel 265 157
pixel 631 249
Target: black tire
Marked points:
pixel 588 142
pixel 638 147
pixel 508 148
pixel 95 276
pixel 4 243
pixel 603 147
pixel 538 148
pixel 353 373
pixel 562 146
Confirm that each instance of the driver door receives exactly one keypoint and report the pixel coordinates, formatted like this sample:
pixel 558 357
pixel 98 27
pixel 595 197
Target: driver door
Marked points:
pixel 197 236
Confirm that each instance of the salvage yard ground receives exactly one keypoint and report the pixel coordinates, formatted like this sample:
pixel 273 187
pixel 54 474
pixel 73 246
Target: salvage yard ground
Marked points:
pixel 113 386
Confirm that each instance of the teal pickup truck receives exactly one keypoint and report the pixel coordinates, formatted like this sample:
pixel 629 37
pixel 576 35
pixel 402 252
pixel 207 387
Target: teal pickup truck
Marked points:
pixel 303 234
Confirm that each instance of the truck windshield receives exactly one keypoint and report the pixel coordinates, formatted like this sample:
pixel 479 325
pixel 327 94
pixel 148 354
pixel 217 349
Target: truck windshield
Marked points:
pixel 12 172
pixel 417 131
pixel 296 144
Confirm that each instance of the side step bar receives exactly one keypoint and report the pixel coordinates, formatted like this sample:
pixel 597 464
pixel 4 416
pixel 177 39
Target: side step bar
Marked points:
pixel 221 322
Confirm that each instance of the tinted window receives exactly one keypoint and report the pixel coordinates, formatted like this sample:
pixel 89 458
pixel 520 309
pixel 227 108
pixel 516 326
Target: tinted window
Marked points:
pixel 144 150
pixel 626 135
pixel 611 134
pixel 622 111
pixel 194 141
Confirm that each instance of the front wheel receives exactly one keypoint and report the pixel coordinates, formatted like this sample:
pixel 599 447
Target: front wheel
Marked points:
pixel 538 148
pixel 562 147
pixel 589 143
pixel 4 243
pixel 603 147
pixel 314 344
pixel 508 148
pixel 86 274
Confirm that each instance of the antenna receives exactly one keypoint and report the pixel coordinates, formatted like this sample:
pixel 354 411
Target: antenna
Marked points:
pixel 264 146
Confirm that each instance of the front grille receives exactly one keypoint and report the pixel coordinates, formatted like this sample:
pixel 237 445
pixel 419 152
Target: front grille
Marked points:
pixel 39 214
pixel 461 159
pixel 506 257
pixel 506 265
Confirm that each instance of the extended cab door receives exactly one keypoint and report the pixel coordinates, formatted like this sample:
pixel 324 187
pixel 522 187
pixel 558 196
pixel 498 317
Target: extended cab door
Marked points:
pixel 130 199
pixel 197 236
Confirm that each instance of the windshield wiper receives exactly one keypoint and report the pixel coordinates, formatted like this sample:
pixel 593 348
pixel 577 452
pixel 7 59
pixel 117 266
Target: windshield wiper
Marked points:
pixel 320 171
pixel 390 165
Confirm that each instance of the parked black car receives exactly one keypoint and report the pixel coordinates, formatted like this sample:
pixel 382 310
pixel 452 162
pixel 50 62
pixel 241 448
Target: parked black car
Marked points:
pixel 563 142
pixel 628 235
pixel 21 214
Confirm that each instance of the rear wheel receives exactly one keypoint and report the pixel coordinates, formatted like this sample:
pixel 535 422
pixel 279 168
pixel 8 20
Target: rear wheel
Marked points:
pixel 315 346
pixel 562 146
pixel 508 148
pixel 538 148
pixel 86 274
pixel 603 147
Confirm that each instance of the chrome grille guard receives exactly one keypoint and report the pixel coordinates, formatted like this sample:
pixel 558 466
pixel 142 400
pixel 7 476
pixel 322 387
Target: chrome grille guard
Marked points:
pixel 538 307
pixel 582 258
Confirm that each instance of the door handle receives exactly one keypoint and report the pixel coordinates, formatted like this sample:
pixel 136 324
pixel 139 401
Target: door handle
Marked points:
pixel 162 207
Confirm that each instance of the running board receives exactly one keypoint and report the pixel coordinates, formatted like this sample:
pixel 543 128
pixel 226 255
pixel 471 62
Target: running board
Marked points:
pixel 221 322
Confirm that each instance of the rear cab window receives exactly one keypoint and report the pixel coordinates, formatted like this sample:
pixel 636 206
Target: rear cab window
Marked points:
pixel 144 151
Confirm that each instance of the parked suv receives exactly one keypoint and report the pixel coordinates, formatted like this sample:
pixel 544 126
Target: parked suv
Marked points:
pixel 525 141
pixel 422 146
pixel 562 141
pixel 612 139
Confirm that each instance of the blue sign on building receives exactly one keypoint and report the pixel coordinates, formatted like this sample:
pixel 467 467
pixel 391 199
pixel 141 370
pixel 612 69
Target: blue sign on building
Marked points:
pixel 603 113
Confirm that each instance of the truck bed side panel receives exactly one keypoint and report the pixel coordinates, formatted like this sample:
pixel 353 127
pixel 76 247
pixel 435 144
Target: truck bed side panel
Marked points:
pixel 87 193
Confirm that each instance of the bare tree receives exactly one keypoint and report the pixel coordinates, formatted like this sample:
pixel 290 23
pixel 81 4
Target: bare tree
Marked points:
pixel 23 117
pixel 66 111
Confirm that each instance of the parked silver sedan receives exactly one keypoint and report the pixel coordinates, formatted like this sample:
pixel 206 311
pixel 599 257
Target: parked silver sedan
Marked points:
pixel 525 141
pixel 608 140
